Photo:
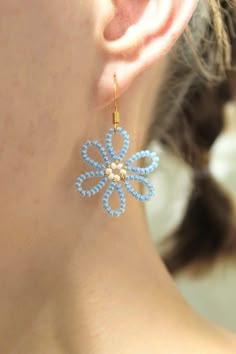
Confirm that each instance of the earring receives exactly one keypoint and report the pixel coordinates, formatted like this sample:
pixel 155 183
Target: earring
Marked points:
pixel 114 170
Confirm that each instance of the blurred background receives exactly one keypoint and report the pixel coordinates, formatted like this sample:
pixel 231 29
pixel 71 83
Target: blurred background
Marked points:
pixel 212 292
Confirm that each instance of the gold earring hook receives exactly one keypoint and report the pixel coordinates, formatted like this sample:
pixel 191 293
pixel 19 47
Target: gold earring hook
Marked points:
pixel 115 92
pixel 116 114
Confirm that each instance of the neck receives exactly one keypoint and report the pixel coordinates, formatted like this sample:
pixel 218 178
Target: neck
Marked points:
pixel 79 278
pixel 101 284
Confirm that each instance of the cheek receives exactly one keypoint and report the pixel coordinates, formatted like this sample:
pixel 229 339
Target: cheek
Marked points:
pixel 46 56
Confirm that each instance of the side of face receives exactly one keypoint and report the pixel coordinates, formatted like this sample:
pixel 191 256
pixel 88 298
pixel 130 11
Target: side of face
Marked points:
pixel 56 58
pixel 47 56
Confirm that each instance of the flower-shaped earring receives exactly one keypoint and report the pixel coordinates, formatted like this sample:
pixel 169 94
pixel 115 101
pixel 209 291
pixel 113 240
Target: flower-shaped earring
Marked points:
pixel 114 170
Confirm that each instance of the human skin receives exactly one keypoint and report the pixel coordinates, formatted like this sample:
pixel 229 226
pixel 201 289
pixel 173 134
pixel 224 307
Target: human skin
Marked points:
pixel 72 279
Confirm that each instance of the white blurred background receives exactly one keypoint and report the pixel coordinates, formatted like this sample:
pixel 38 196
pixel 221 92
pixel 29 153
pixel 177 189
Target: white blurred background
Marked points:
pixel 214 294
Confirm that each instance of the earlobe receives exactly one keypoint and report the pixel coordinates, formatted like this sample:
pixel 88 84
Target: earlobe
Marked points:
pixel 136 36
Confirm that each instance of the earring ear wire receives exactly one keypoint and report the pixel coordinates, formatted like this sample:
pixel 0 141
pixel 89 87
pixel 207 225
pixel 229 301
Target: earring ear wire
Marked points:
pixel 116 114
pixel 115 170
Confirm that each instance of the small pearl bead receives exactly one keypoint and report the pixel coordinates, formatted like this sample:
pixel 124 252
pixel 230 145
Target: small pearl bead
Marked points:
pixel 119 166
pixel 108 171
pixel 113 165
pixel 123 172
pixel 117 178
pixel 111 176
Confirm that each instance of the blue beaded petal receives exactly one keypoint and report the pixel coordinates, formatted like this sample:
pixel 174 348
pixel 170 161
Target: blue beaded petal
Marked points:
pixel 90 161
pixel 105 200
pixel 114 156
pixel 141 197
pixel 96 188
pixel 143 170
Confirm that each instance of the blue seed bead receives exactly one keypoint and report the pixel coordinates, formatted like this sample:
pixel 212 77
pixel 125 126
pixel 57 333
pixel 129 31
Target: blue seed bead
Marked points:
pixel 125 146
pixel 150 189
pixel 143 170
pixel 89 160
pixel 96 188
pixel 105 201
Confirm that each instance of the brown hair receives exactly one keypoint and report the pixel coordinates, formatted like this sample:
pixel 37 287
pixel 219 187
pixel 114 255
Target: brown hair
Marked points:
pixel 199 84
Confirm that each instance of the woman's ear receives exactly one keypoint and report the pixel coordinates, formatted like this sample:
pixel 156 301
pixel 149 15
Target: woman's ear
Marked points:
pixel 133 34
